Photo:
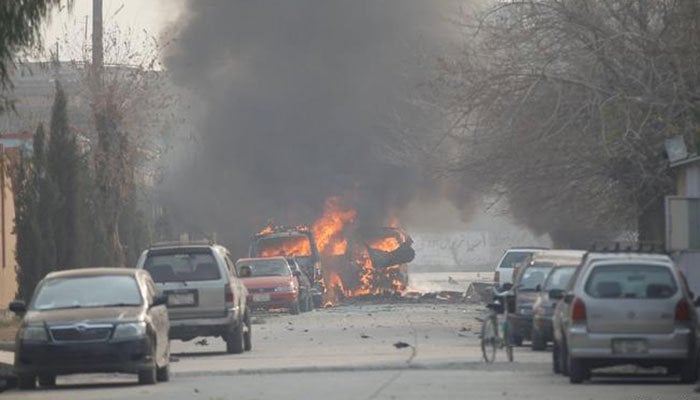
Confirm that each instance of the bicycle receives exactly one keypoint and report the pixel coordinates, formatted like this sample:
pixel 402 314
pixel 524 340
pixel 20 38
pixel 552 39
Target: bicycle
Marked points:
pixel 495 335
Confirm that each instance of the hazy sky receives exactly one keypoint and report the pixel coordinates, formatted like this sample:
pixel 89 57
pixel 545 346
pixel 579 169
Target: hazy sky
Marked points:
pixel 137 15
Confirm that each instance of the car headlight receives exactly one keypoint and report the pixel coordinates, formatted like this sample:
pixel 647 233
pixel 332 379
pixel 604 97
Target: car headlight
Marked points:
pixel 132 330
pixel 36 333
pixel 285 288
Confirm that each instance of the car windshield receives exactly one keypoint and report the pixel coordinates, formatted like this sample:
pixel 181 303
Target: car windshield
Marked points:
pixel 514 257
pixel 534 276
pixel 559 278
pixel 631 281
pixel 88 291
pixel 286 246
pixel 266 268
pixel 182 267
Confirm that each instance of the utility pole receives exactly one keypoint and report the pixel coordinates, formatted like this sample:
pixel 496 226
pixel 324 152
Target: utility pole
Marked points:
pixel 97 47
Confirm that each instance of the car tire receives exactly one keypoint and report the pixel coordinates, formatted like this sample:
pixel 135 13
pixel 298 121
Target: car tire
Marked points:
pixel 163 373
pixel 578 370
pixel 538 342
pixel 234 340
pixel 47 380
pixel 148 376
pixel 564 359
pixel 689 370
pixel 26 382
pixel 516 340
pixel 294 308
pixel 248 334
pixel 317 301
pixel 556 366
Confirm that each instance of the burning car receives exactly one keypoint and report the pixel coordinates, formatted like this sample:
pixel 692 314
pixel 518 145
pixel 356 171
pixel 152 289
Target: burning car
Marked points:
pixel 296 242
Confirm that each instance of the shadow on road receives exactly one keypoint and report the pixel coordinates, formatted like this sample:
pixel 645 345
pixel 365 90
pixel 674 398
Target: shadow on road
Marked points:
pixel 197 354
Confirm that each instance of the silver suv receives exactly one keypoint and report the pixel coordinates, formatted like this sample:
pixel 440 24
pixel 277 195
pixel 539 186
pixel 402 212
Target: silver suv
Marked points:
pixel 625 309
pixel 204 295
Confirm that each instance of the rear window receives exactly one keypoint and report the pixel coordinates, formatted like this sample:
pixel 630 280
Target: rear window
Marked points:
pixel 265 268
pixel 533 276
pixel 182 266
pixel 514 257
pixel 631 282
pixel 559 278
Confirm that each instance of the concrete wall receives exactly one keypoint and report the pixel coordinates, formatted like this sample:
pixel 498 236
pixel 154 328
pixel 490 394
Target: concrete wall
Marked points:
pixel 8 239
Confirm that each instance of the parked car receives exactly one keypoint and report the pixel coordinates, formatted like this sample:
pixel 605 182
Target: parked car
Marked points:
pixel 512 258
pixel 271 283
pixel 543 308
pixel 528 283
pixel 92 320
pixel 625 309
pixel 306 288
pixel 204 295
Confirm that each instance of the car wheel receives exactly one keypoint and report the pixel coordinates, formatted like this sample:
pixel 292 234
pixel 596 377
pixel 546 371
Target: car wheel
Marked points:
pixel 516 340
pixel 47 380
pixel 538 342
pixel 317 301
pixel 556 367
pixel 234 340
pixel 248 334
pixel 578 370
pixel 294 308
pixel 564 359
pixel 26 382
pixel 689 370
pixel 148 376
pixel 163 373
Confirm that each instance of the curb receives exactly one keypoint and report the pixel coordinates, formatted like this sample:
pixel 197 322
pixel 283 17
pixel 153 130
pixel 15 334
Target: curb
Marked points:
pixel 469 365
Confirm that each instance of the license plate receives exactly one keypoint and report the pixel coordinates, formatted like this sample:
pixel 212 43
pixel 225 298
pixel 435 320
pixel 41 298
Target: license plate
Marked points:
pixel 181 299
pixel 630 346
pixel 261 298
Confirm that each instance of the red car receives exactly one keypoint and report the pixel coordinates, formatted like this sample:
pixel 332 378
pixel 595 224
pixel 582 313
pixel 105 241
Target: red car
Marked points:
pixel 271 283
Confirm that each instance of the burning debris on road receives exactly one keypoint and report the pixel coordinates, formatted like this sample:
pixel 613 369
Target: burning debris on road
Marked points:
pixel 345 260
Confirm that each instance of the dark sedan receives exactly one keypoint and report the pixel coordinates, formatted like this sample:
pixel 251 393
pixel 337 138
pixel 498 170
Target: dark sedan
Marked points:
pixel 92 320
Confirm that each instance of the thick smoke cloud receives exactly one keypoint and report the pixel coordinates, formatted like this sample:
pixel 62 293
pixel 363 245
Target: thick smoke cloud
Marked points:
pixel 297 99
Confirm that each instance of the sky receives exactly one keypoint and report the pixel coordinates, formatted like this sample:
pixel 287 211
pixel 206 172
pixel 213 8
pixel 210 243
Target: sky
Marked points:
pixel 144 17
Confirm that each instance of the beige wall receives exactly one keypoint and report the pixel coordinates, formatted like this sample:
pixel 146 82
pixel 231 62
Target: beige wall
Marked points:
pixel 8 240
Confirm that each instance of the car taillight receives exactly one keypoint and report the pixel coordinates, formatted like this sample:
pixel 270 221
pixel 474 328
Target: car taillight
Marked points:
pixel 578 310
pixel 228 296
pixel 682 311
pixel 497 276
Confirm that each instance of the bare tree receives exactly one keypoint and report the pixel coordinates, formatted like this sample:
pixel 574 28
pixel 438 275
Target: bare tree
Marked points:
pixel 563 106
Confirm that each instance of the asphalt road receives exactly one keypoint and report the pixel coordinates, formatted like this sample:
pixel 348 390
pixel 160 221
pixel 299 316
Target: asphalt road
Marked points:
pixel 347 352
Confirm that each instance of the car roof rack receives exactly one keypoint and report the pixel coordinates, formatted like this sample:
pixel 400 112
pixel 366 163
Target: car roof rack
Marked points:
pixel 174 243
pixel 643 247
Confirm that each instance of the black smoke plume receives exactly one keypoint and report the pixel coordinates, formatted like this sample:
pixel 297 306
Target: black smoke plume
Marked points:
pixel 298 101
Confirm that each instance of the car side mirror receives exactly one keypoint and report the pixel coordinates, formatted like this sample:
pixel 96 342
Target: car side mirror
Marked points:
pixel 556 294
pixel 568 298
pixel 18 307
pixel 159 300
pixel 296 273
pixel 538 288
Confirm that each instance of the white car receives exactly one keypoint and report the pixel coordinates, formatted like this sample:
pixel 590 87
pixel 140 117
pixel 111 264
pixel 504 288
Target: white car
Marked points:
pixel 512 258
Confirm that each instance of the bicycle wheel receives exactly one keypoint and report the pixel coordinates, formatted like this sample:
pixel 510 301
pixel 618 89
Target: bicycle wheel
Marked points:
pixel 507 343
pixel 489 338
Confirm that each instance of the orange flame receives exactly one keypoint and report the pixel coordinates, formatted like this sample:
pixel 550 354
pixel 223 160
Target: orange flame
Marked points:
pixel 294 246
pixel 387 244
pixel 328 230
